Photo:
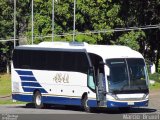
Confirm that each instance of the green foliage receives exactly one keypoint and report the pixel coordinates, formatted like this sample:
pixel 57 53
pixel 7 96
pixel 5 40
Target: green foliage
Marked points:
pixel 132 39
pixel 86 38
pixel 91 15
pixel 6 22
pixel 4 48
pixel 155 77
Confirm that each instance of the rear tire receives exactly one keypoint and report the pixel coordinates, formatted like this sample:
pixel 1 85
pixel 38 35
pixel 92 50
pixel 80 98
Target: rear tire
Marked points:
pixel 85 104
pixel 38 100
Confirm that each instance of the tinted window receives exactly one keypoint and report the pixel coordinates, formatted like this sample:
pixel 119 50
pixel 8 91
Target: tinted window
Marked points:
pixel 69 61
pixel 21 59
pixel 82 63
pixel 96 59
pixel 51 60
pixel 75 61
pixel 38 60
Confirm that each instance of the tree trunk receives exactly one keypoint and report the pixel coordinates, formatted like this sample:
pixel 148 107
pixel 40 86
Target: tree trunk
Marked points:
pixel 8 67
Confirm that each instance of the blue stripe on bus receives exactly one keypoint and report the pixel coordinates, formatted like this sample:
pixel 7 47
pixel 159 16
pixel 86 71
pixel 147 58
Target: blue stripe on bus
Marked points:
pixel 27 78
pixel 52 100
pixel 74 101
pixel 23 77
pixel 24 98
pixel 27 89
pixel 32 84
pixel 24 72
pixel 61 100
pixel 48 99
pixel 92 103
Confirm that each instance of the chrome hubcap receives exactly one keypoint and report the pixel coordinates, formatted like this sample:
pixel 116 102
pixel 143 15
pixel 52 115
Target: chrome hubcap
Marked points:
pixel 38 100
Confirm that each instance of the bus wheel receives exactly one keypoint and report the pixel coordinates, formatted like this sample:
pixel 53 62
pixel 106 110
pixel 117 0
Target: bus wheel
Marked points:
pixel 38 100
pixel 85 105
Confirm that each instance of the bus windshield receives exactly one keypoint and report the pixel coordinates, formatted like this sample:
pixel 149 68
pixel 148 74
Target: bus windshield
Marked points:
pixel 127 75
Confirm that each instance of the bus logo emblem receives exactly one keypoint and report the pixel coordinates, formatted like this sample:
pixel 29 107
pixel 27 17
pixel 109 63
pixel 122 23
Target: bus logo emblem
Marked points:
pixel 61 78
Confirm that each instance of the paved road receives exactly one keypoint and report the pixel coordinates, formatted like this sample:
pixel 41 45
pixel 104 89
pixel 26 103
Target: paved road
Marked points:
pixel 22 109
pixel 73 113
pixel 62 111
pixel 155 100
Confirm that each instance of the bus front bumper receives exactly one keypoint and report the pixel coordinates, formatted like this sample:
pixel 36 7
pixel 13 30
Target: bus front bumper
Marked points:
pixel 111 104
pixel 117 104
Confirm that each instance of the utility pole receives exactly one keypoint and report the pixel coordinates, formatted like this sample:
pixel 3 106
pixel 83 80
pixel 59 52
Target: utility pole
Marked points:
pixel 32 24
pixel 52 20
pixel 14 23
pixel 74 21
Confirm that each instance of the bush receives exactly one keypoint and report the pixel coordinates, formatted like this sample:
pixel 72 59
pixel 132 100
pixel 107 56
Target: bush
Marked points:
pixel 155 77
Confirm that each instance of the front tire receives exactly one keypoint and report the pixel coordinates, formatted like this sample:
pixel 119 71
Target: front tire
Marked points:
pixel 38 100
pixel 85 104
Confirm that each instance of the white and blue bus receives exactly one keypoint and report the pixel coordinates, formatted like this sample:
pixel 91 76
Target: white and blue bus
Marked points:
pixel 79 74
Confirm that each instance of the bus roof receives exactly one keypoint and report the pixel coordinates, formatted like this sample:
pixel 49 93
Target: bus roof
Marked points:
pixel 105 51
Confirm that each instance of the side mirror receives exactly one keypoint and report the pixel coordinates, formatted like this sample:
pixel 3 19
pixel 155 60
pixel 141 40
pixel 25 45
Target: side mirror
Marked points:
pixel 101 64
pixel 91 69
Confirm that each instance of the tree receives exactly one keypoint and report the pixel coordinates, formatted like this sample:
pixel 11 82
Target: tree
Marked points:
pixel 90 15
pixel 131 39
pixel 6 29
pixel 141 13
pixel 6 26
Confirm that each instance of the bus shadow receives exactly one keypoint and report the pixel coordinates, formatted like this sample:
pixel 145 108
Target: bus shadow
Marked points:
pixel 96 111
pixel 132 110
pixel 56 107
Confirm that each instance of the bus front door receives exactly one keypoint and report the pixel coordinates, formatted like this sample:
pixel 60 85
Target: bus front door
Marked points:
pixel 101 89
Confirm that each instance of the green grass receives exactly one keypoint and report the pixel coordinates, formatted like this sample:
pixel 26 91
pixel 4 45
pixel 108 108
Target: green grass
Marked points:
pixel 155 86
pixel 5 84
pixel 156 78
pixel 5 89
pixel 3 102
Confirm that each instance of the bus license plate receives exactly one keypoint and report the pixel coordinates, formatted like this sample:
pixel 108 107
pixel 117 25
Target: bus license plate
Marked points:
pixel 130 103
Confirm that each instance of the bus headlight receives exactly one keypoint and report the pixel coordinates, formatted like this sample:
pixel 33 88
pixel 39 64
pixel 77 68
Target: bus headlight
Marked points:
pixel 146 96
